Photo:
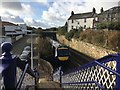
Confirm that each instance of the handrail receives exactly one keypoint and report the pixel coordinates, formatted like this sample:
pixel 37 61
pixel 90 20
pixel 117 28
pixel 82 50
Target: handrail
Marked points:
pixel 110 70
pixel 98 71
pixel 100 86
pixel 9 65
pixel 21 77
pixel 90 64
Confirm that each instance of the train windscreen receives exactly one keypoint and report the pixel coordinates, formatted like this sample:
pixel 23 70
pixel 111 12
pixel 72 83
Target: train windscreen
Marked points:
pixel 63 52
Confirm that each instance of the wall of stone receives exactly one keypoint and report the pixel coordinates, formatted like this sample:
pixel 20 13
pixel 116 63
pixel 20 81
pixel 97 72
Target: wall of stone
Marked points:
pixel 86 48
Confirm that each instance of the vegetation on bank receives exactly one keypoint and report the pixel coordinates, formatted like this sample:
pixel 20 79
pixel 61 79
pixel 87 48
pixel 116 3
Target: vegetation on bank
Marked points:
pixel 43 46
pixel 110 25
pixel 107 34
pixel 108 38
pixel 62 30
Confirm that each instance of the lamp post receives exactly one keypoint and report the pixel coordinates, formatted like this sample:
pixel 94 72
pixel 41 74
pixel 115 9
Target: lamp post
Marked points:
pixel 31 51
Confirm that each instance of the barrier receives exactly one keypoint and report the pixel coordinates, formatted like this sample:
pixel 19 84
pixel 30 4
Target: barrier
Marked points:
pixel 8 66
pixel 103 73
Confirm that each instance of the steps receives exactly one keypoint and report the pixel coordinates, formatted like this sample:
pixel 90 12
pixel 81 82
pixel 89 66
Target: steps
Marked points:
pixel 47 84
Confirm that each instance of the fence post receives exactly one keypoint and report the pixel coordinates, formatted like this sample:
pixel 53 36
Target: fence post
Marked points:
pixel 9 75
pixel 118 71
pixel 60 76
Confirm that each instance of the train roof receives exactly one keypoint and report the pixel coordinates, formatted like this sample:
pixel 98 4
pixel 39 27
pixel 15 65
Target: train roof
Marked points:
pixel 57 44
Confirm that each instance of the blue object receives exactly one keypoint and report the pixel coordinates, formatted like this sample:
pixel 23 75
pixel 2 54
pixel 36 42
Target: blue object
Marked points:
pixel 8 67
pixel 9 73
pixel 6 47
pixel 103 73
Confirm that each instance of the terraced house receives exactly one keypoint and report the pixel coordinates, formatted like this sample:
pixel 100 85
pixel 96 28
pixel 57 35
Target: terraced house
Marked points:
pixel 85 20
pixel 91 19
pixel 110 15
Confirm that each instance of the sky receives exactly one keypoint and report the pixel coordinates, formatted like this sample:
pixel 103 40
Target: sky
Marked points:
pixel 48 13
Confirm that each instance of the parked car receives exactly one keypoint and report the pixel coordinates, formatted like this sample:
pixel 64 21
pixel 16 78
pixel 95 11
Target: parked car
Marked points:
pixel 24 57
pixel 26 52
pixel 27 48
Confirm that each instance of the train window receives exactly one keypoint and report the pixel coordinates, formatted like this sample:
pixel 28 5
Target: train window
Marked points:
pixel 63 52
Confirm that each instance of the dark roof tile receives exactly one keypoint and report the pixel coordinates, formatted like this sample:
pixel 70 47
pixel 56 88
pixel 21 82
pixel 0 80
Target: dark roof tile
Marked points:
pixel 3 23
pixel 81 15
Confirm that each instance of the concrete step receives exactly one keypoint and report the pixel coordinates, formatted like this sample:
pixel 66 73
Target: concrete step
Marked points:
pixel 46 84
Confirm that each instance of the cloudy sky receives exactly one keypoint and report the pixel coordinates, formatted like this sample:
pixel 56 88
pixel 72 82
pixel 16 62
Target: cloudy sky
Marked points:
pixel 48 13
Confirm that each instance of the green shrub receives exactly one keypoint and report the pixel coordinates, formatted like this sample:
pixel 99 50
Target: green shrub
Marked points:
pixel 43 47
pixel 62 30
pixel 70 34
pixel 77 33
pixel 110 25
pixel 102 25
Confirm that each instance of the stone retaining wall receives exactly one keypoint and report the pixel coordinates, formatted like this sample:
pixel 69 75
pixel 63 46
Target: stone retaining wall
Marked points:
pixel 86 48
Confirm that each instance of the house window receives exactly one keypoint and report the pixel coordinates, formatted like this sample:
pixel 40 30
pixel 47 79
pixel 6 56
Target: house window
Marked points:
pixel 85 20
pixel 84 26
pixel 72 21
pixel 78 22
pixel 72 27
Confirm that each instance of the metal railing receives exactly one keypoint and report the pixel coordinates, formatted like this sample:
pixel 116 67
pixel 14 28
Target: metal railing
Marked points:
pixel 18 86
pixel 8 69
pixel 103 73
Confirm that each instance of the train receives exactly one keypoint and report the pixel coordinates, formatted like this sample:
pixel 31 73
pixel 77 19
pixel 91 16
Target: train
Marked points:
pixel 61 52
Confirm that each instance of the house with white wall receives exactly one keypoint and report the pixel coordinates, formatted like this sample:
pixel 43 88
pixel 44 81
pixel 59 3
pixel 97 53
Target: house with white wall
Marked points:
pixel 85 20
pixel 3 38
pixel 23 28
pixel 14 31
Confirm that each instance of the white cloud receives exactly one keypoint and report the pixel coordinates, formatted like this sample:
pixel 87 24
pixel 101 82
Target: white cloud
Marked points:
pixel 60 10
pixel 12 5
pixel 9 0
pixel 27 10
pixel 12 18
pixel 8 13
pixel 41 1
pixel 57 14
pixel 100 3
pixel 36 23
pixel 16 8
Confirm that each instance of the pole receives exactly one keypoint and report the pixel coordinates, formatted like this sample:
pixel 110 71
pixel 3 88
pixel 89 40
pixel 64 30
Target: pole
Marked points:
pixel 31 51
pixel 60 76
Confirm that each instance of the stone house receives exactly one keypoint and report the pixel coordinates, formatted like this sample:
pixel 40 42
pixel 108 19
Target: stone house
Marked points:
pixel 110 15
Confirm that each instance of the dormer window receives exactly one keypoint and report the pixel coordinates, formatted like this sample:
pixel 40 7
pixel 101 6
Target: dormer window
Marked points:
pixel 72 27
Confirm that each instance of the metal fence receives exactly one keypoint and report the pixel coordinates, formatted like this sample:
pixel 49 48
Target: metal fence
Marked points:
pixel 8 69
pixel 100 74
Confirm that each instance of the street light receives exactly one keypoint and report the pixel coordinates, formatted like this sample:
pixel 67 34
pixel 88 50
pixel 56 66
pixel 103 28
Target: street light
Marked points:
pixel 31 51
